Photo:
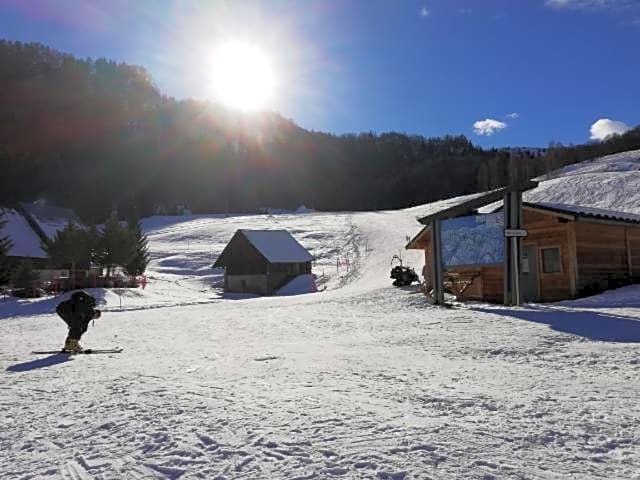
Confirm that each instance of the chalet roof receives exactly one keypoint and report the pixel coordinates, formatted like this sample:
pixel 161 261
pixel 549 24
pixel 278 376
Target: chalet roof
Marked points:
pixel 24 241
pixel 49 218
pixel 277 246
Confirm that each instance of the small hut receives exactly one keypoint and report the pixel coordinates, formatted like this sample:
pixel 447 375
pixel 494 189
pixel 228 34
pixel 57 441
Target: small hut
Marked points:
pixel 262 261
pixel 564 250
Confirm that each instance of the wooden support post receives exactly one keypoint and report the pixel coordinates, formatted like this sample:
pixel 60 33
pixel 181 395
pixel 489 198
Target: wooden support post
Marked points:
pixel 629 259
pixel 573 258
pixel 512 221
pixel 438 277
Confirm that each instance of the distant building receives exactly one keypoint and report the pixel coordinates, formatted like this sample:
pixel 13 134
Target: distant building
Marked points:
pixel 29 226
pixel 262 261
pixel 25 242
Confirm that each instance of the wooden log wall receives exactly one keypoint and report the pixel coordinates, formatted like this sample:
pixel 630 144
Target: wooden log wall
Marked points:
pixel 549 231
pixel 608 255
pixel 633 239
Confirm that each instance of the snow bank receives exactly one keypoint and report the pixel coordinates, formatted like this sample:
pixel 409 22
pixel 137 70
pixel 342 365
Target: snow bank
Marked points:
pixel 300 285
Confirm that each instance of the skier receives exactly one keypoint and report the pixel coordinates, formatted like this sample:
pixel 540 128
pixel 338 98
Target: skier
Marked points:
pixel 77 312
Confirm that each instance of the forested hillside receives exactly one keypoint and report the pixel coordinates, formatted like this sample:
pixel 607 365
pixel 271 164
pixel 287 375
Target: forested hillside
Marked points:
pixel 94 134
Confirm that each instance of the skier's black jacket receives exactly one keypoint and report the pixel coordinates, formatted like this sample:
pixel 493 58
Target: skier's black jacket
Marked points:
pixel 77 312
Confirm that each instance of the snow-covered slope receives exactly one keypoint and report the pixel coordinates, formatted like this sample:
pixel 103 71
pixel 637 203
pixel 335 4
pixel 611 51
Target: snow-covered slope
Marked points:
pixel 359 381
pixel 611 182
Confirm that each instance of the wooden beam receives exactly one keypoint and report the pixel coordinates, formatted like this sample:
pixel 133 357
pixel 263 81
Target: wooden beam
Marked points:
pixel 549 212
pixel 469 206
pixel 607 222
pixel 572 253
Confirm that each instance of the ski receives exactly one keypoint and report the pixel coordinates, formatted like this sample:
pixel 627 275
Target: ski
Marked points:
pixel 88 351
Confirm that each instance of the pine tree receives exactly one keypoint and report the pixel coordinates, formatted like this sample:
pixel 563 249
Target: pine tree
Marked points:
pixel 25 277
pixel 139 263
pixel 72 247
pixel 117 245
pixel 5 246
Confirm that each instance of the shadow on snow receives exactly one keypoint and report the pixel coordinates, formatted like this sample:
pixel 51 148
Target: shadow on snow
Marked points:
pixel 14 307
pixel 40 363
pixel 19 307
pixel 584 323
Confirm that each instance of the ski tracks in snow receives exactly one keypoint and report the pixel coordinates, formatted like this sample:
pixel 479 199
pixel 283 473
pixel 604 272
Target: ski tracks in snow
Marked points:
pixel 359 382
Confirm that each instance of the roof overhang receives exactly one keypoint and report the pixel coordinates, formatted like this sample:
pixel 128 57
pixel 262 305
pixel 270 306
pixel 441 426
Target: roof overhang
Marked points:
pixel 585 214
pixel 469 207
pixel 416 243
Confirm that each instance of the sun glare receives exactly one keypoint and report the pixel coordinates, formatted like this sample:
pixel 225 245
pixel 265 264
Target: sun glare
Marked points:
pixel 243 76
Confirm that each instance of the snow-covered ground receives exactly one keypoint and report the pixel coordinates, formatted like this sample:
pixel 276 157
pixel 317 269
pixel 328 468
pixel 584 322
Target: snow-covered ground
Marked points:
pixel 360 380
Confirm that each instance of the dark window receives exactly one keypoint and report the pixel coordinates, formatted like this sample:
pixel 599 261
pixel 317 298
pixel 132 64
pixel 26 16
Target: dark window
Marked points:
pixel 551 260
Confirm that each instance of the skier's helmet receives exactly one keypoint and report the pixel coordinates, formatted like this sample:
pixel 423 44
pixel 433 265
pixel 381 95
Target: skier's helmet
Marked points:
pixel 83 297
pixel 80 296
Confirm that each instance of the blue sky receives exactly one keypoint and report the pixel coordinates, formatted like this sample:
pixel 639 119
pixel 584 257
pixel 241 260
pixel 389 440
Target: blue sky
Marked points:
pixel 524 72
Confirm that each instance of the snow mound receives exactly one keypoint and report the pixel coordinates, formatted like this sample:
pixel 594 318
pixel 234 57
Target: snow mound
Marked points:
pixel 300 285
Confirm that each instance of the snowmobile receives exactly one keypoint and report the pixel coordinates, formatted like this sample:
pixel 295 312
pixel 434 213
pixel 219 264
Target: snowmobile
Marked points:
pixel 402 275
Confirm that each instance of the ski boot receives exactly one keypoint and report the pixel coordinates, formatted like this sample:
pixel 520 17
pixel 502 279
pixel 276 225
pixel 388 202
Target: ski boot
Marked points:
pixel 71 345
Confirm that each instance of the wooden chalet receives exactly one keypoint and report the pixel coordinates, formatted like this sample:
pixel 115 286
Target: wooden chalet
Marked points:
pixel 262 261
pixel 568 251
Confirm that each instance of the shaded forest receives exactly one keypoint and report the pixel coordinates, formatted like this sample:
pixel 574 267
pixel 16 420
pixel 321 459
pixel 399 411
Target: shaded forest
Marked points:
pixel 96 135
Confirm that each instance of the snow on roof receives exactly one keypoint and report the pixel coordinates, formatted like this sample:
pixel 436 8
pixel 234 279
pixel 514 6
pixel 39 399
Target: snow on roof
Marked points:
pixel 25 242
pixel 49 218
pixel 277 246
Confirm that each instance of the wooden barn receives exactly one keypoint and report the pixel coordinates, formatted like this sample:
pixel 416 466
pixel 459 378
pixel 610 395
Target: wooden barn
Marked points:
pixel 565 251
pixel 262 261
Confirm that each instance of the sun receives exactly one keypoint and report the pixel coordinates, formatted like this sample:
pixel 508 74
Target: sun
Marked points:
pixel 243 76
